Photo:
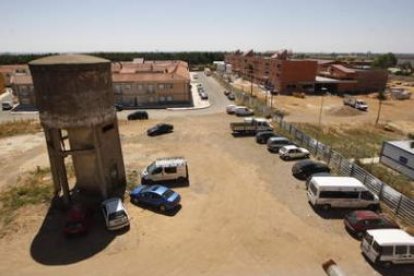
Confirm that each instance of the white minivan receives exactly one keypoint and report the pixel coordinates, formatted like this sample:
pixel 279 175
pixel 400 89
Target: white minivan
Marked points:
pixel 165 169
pixel 340 192
pixel 388 246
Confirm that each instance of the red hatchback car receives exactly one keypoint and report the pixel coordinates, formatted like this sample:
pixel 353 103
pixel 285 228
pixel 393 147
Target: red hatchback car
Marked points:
pixel 78 220
pixel 358 222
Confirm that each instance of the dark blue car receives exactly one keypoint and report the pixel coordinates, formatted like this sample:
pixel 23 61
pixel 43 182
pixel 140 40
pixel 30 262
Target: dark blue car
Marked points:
pixel 155 195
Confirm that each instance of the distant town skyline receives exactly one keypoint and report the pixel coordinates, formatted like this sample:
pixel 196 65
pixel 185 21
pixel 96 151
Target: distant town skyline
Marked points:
pixel 184 25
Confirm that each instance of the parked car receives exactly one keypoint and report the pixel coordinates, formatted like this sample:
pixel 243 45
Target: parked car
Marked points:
pixel 293 152
pixel 251 126
pixel 263 136
pixel 387 247
pixel 115 214
pixel 305 168
pixel 358 222
pixel 6 105
pixel 160 129
pixel 243 111
pixel 275 143
pixel 319 174
pixel 230 108
pixel 138 115
pixel 165 169
pixel 226 92
pixel 204 96
pixel 231 96
pixel 156 196
pixel 78 221
pixel 340 192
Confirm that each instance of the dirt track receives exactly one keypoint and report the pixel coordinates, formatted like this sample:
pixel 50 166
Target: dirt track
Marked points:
pixel 243 214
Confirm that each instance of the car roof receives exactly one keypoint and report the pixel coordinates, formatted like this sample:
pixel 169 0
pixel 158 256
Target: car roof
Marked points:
pixel 386 237
pixel 113 204
pixel 158 189
pixel 278 138
pixel 289 147
pixel 365 214
pixel 306 163
pixel 337 181
pixel 170 161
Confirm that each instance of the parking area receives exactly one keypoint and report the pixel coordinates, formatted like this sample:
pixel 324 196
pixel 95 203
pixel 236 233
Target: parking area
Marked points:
pixel 243 213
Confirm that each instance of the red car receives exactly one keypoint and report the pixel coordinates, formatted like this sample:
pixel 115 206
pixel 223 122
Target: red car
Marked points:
pixel 78 220
pixel 358 222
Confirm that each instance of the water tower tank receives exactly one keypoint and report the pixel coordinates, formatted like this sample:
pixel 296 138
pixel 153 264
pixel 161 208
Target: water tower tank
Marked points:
pixel 75 99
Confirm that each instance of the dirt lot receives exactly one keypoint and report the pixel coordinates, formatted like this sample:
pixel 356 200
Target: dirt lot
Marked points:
pixel 334 112
pixel 243 214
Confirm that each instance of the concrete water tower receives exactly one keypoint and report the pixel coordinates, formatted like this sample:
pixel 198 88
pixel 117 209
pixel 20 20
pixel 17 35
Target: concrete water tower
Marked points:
pixel 76 108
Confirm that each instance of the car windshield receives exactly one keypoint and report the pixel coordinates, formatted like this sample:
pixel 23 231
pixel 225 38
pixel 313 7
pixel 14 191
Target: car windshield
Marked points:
pixel 151 167
pixel 116 215
pixel 167 193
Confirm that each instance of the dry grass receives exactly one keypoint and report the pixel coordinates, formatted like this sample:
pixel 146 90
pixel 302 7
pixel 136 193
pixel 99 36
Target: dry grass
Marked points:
pixel 19 127
pixel 33 188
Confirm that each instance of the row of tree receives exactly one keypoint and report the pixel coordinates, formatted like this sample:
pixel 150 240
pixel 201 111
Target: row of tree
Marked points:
pixel 193 58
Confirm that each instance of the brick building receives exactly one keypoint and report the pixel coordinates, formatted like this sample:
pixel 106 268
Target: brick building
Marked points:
pixel 286 75
pixel 136 84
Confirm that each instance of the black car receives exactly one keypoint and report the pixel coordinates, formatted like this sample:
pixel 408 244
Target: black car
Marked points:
pixel 160 129
pixel 119 107
pixel 263 136
pixel 303 169
pixel 138 115
pixel 231 97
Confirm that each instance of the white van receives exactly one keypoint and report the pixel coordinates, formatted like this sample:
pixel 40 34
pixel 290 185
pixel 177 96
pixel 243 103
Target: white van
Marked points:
pixel 388 246
pixel 166 169
pixel 340 192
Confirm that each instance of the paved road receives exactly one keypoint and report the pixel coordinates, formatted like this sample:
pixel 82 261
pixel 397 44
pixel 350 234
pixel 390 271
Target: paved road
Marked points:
pixel 212 87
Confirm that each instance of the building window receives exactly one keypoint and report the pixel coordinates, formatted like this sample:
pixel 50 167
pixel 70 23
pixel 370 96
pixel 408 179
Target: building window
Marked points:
pixel 151 88
pixel 403 160
pixel 140 87
pixel 162 99
pixel 161 86
pixel 168 85
pixel 169 99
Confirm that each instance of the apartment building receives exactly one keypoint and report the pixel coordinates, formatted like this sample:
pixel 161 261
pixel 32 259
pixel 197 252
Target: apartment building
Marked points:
pixel 284 74
pixel 136 84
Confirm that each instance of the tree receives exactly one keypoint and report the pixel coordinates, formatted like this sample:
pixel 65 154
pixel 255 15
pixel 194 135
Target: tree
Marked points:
pixel 385 61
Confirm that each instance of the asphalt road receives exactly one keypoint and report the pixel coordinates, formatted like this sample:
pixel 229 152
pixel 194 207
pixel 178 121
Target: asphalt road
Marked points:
pixel 214 90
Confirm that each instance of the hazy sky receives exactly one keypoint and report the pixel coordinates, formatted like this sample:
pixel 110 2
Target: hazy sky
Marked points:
pixel 176 25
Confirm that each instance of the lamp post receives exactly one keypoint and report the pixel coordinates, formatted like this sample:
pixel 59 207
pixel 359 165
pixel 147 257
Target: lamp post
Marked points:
pixel 380 98
pixel 324 90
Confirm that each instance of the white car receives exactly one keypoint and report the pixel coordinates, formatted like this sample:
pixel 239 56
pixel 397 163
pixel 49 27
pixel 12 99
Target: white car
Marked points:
pixel 293 152
pixel 230 108
pixel 115 214
pixel 243 111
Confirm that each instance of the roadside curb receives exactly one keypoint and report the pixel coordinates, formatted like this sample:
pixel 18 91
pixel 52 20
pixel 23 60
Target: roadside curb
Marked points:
pixel 188 108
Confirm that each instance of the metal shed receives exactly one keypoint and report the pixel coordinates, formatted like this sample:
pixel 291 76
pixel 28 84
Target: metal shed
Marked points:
pixel 399 155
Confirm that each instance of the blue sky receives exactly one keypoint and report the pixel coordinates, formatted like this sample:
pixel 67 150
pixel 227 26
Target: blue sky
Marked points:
pixel 177 25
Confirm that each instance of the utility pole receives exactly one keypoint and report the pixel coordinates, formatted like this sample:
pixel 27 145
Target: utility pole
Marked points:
pixel 379 110
pixel 320 113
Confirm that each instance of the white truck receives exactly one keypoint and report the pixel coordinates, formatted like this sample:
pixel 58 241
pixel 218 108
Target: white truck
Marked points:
pixel 251 126
pixel 355 102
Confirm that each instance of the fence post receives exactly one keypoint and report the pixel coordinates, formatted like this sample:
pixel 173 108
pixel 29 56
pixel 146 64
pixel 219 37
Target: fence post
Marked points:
pixel 340 164
pixel 398 205
pixel 380 190
pixel 352 170
pixel 330 156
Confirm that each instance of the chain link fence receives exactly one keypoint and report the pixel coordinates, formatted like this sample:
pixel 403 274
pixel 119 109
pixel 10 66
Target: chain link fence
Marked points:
pixel 399 204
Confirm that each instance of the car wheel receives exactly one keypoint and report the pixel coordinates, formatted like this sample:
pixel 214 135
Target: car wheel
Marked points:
pixel 386 264
pixel 326 207
pixel 135 200
pixel 373 207
pixel 162 208
pixel 307 156
pixel 360 234
pixel 287 157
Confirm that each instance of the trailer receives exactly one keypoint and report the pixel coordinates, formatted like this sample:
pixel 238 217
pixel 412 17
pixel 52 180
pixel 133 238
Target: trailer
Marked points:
pixel 355 102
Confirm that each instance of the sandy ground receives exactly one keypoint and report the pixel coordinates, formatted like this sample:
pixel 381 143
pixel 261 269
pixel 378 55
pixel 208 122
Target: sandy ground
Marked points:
pixel 243 214
pixel 334 112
